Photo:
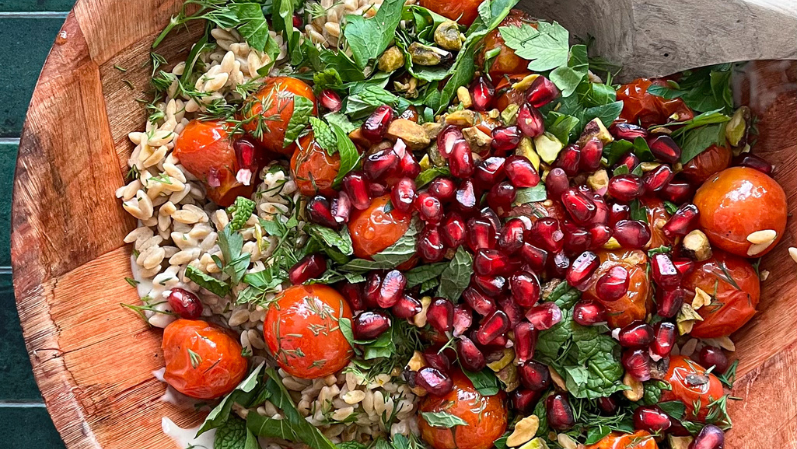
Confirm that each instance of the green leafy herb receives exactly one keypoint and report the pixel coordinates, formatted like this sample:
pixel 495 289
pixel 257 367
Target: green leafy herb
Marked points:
pixel 233 434
pixel 484 381
pixel 670 207
pixel 369 38
pixel 704 89
pixel 443 420
pixel 423 273
pixel 393 256
pixel 206 281
pixel 341 241
pixel 699 139
pixel 638 211
pixel 349 156
pixel 456 277
pixel 547 46
pixel 430 174
pixel 302 111
pixel 132 282
pixel 560 125
pixel 324 135
pixel 195 358
pixel 676 409
pixel 252 24
pixel 244 393
pixel 567 78
pixel 235 262
pixel 729 376
pixel 530 195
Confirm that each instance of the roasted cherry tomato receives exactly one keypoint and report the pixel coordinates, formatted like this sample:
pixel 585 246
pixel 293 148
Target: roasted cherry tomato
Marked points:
pixel 313 168
pixel 505 94
pixel 633 306
pixel 202 360
pixel 639 106
pixel 736 202
pixel 303 334
pixel 713 160
pixel 616 440
pixel 410 114
pixel 691 385
pixel 464 11
pixel 485 415
pixel 268 111
pixel 735 290
pixel 507 62
pixel 206 151
pixel 373 230
pixel 657 217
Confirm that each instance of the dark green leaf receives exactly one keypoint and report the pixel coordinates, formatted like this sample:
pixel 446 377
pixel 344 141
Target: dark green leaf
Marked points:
pixel 423 273
pixel 221 413
pixel 638 211
pixel 595 434
pixel 393 256
pixel 368 38
pixel 567 78
pixel 341 63
pixel 491 14
pixel 231 435
pixel 642 150
pixel 208 282
pixel 302 111
pixel 324 136
pixel 428 175
pixel 340 119
pixel 327 79
pixel 349 156
pixel 675 409
pixel 670 207
pixel 704 89
pixel 529 195
pixel 253 26
pixel 699 139
pixel 456 277
pixel 484 381
pixel 615 150
pixel 340 240
pixel 442 420
pixel 560 125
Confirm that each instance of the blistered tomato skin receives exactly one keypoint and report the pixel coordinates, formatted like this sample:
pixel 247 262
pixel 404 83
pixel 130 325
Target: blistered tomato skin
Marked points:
pixel 373 230
pixel 302 332
pixel 616 440
pixel 736 202
pixel 464 11
pixel 313 169
pixel 272 107
pixel 202 360
pixel 205 149
pixel 507 62
pixel 641 107
pixel 691 384
pixel 485 415
pixel 633 306
pixel 731 307
pixel 713 160
pixel 657 215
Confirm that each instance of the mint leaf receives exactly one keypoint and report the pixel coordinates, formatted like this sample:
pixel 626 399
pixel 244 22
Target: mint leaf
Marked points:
pixel 456 277
pixel 547 47
pixel 483 381
pixel 428 175
pixel 206 281
pixel 253 26
pixel 231 435
pixel 341 241
pixel 302 110
pixel 560 125
pixel 615 150
pixel 676 409
pixel 529 195
pixel 423 273
pixel 698 141
pixel 391 257
pixel 369 38
pixel 329 78
pixel 343 122
pixel 704 89
pixel 324 136
pixel 349 156
pixel 242 394
pixel 442 420
pixel 491 14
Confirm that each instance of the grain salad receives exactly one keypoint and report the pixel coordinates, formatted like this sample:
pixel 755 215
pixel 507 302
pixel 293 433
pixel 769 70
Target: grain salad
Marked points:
pixel 424 224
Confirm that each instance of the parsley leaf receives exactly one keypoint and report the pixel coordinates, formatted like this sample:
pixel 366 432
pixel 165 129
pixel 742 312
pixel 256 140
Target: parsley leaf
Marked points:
pixel 546 47
pixel 369 38
pixel 567 78
pixel 235 262
pixel 704 89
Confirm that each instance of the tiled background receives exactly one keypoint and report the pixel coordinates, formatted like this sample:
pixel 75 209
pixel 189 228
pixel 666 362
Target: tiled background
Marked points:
pixel 27 30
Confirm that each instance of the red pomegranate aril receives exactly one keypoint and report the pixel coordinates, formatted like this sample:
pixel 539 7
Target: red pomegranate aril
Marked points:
pixel 613 284
pixel 375 126
pixel 490 262
pixel 297 21
pixel 577 239
pixel 627 131
pixel 637 335
pixel 601 210
pixel 490 285
pixel 608 405
pixel 682 222
pixel 651 418
pixel 589 313
pixel 443 189
pixel 440 315
pixel 582 268
pixel 465 198
pixel 492 326
pixel 591 155
pixel 713 356
pixel 452 230
pixel 665 149
pixel 353 294
pixel 530 121
pixel 511 239
pixel 637 363
pixel 449 136
pixel 544 316
pixel 753 161
pixel 511 309
pixel 392 288
pixel 599 235
pixel 373 284
pixel 434 381
pixel 430 244
pixel 319 211
pixel 245 152
pixel 631 234
pixel 482 93
pixel 403 194
pixel 676 192
pixel 569 160
pixel 185 304
pixel 559 412
pixel 541 92
pixel 665 275
pixel 664 335
pixel 437 359
pixel 377 189
pixel 535 257
pixel 380 163
pixel 429 208
pixel 669 302
pixel 521 172
pixel 525 288
pixel 406 307
pixel 657 178
pixel 341 208
pixel 487 214
pixel 481 304
pixel 524 400
pixel 618 212
pixel 409 166
pixel 490 171
pixel 548 234
pixel 525 341
pixel 309 267
pixel 534 375
pixel 480 234
pixel 580 206
pixel 710 437
pixel 556 183
pixel 463 319
pixel 558 265
pixel 370 324
pixel 501 195
pixel 505 138
pixel 625 188
pixel 461 160
pixel 630 160
pixel 330 100
pixel 470 356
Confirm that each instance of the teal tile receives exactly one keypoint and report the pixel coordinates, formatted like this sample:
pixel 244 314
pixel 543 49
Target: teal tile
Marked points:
pixel 16 378
pixel 8 160
pixel 26 41
pixel 36 5
pixel 28 428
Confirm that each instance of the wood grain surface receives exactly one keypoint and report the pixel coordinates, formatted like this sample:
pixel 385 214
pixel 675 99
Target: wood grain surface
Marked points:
pixel 93 359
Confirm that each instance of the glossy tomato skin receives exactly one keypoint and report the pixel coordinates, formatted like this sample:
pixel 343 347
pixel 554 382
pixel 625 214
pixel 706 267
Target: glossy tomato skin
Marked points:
pixel 633 306
pixel 464 11
pixel 639 106
pixel 486 417
pixel 617 440
pixel 301 331
pixel 274 103
pixel 713 160
pixel 372 229
pixel 657 217
pixel 205 149
pixel 737 202
pixel 213 368
pixel 507 62
pixel 313 169
pixel 690 384
pixel 732 307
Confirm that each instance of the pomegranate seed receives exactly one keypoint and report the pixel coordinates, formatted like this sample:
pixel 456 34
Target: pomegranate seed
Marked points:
pixel 591 155
pixel 492 326
pixel 446 140
pixel 626 187
pixel 525 341
pixel 490 285
pixel 534 375
pixel 403 194
pixel 665 149
pixel 582 268
pixel 619 212
pixel 630 160
pixel 664 338
pixel 185 304
pixel 753 161
pixel 501 195
pixel 437 359
pixel 353 294
pixel 541 92
pixel 245 153
pixel 461 161
pixel 577 239
pixel 320 212
pixel 482 93
pixel 613 284
pixel 601 210
pixel 521 172
pixel 490 262
pixel 511 239
pixel 632 233
pixel 530 121
pixel 599 235
pixel 430 244
pixel 560 414
pixel 637 364
pixel 525 288
pixel 490 171
pixel 651 418
pixel 607 405
pixel 548 234
pixel 480 234
pixel 375 126
pixel 712 356
pixel 589 313
pixel 678 430
pixel 409 166
pixel 524 401
pixel 465 199
pixel 579 206
pixel 558 265
pixel 392 289
pixel 429 208
pixel 505 138
pixel 380 163
pixel 377 189
pixel 434 381
pixel 544 316
pixel 676 192
pixel 511 309
pixel 470 356
pixel 664 272
pixel 463 318
pixel 373 284
pixel 341 208
pixel 710 437
pixel 569 160
pixel 489 215
pixel 297 21
pixel 452 230
pixel 440 315
pixel 556 183
pixel 627 131
pixel 669 302
pixel 684 265
pixel 682 222
pixel 637 335
pixel 443 189
pixel 370 324
pixel 309 267
pixel 406 307
pixel 483 305
pixel 535 257
pixel 656 179
pixel 331 100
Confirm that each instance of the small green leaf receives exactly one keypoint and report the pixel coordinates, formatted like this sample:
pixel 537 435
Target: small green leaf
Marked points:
pixel 456 277
pixel 302 111
pixel 341 241
pixel 547 46
pixel 424 273
pixel 484 381
pixel 324 136
pixel 428 175
pixel 349 157
pixel 675 409
pixel 699 139
pixel 208 282
pixel 443 420
pixel 531 195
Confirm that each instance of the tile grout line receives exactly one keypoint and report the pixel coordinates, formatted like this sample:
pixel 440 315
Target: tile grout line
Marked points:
pixel 33 14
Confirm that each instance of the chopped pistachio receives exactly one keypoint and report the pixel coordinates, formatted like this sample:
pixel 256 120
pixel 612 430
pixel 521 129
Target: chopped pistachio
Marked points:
pixel 679 442
pixel 392 59
pixel 598 180
pixel 463 94
pixel 612 244
pixel 416 362
pixel 506 359
pixel 525 429
pixel 696 244
pixel 537 443
pixel 526 149
pixel 686 319
pixel 419 320
pixel 465 117
pixel 701 298
pixel 509 114
pixel 548 147
pixel 509 377
pixel 424 162
pixel 448 36
pixel 649 166
pixel 410 132
pixel 525 83
pixel 476 138
pixel 432 129
pixel 557 379
pixel 595 128
pixel 427 55
pixel 434 155
pixel 636 390
pixel 737 127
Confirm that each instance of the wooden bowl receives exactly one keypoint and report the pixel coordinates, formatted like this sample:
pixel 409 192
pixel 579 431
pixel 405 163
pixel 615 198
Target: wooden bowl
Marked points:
pixel 93 360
